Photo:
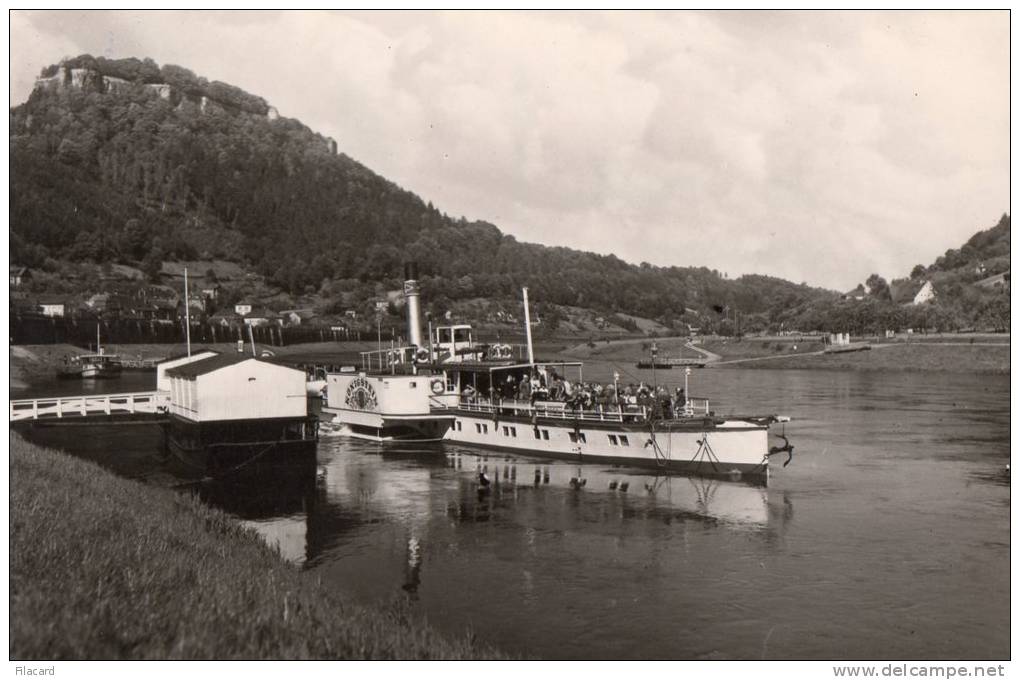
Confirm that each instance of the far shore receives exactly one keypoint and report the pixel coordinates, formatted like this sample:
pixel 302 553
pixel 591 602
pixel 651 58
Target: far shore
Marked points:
pixel 30 363
pixel 984 353
pixel 947 353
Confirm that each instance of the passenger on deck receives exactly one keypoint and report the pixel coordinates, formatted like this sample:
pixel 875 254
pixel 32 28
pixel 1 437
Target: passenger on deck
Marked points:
pixel 468 392
pixel 680 402
pixel 610 399
pixel 630 398
pixel 556 392
pixel 524 389
pixel 509 388
pixel 663 405
pixel 568 389
pixel 538 391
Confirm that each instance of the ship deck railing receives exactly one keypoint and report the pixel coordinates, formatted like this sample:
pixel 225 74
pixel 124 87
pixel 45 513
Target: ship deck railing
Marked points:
pixel 394 358
pixel 561 410
pixel 544 409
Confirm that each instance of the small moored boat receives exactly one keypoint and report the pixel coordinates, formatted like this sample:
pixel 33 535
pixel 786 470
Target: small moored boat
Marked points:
pixel 90 366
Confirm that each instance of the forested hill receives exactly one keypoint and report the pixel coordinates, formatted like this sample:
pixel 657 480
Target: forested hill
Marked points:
pixel 986 252
pixel 129 162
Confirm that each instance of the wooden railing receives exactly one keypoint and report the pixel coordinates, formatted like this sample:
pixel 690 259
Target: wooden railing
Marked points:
pixel 89 405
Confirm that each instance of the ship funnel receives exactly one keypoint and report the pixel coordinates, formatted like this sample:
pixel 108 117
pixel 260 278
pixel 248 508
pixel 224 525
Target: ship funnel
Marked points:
pixel 411 292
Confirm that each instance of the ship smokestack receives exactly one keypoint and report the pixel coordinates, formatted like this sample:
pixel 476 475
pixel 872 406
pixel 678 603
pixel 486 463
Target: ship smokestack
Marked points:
pixel 411 291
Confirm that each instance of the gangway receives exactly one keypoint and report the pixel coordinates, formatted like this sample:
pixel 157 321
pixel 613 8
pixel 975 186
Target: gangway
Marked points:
pixel 84 406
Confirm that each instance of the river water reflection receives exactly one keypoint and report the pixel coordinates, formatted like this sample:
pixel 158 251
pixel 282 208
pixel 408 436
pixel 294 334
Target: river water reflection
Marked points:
pixel 887 537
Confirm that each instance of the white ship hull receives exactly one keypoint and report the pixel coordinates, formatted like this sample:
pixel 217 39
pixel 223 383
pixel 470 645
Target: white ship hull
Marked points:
pixel 700 446
pixel 729 448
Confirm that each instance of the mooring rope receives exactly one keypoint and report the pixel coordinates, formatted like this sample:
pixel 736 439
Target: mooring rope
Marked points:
pixel 248 461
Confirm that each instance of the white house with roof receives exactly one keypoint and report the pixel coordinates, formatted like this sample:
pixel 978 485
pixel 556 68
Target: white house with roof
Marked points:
pixel 163 382
pixel 235 387
pixel 925 294
pixel 53 306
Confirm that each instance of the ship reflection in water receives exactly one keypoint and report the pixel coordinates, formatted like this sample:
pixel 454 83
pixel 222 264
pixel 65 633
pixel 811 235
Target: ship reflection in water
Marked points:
pixel 383 522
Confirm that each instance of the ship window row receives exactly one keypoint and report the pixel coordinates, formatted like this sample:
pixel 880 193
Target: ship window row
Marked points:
pixel 481 428
pixel 619 440
pixel 541 434
pixel 458 426
pixel 509 431
pixel 576 437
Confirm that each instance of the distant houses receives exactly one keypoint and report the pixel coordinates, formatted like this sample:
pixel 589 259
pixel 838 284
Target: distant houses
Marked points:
pixel 858 293
pixel 246 314
pixel 148 303
pixel 906 292
pixel 913 292
pixel 261 316
pixel 53 305
pixel 925 294
pixel 297 317
pixel 19 275
pixel 995 281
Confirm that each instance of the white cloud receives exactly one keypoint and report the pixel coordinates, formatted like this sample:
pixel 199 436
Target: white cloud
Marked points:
pixel 814 146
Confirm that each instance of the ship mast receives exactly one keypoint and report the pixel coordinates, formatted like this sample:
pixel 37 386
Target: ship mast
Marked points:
pixel 187 312
pixel 527 327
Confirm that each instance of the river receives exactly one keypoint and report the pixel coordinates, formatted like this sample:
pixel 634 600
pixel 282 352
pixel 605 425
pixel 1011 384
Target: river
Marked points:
pixel 887 536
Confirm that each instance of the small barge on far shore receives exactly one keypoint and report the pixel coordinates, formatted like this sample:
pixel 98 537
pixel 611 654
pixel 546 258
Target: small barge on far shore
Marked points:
pixel 668 364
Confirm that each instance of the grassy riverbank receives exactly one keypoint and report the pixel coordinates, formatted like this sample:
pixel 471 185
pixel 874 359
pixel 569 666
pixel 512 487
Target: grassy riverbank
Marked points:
pixel 106 568
pixel 951 353
pixel 899 357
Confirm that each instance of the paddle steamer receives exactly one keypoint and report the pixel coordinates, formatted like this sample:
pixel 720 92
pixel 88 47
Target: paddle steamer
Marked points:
pixel 453 389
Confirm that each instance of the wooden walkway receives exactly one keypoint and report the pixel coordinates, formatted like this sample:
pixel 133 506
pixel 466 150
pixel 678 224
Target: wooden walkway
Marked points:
pixel 84 406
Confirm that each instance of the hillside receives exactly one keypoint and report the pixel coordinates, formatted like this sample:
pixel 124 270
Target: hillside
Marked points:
pixel 128 162
pixel 984 255
pixel 127 166
pixel 971 282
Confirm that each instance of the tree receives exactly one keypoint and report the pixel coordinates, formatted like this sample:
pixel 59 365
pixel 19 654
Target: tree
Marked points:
pixel 918 271
pixel 878 287
pixel 152 265
pixel 135 240
pixel 995 313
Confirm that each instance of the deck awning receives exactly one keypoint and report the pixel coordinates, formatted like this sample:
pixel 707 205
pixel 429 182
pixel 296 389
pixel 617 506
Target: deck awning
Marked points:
pixel 488 367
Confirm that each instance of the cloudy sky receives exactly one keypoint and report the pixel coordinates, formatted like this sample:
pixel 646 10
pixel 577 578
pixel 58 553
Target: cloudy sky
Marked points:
pixel 815 146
